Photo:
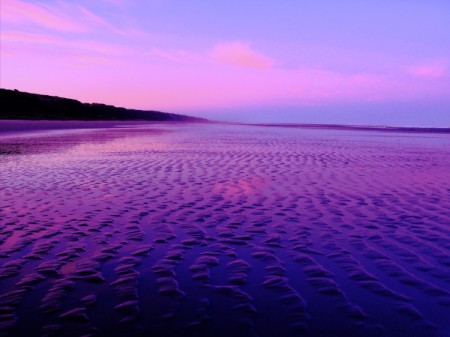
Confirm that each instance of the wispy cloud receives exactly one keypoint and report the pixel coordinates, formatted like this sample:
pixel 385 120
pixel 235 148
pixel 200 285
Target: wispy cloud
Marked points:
pixel 53 41
pixel 60 17
pixel 44 15
pixel 13 40
pixel 62 29
pixel 115 2
pixel 96 59
pixel 16 36
pixel 435 69
pixel 237 53
pixel 178 56
pixel 97 21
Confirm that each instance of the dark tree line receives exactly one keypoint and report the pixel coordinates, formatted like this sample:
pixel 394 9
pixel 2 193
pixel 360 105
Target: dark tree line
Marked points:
pixel 21 105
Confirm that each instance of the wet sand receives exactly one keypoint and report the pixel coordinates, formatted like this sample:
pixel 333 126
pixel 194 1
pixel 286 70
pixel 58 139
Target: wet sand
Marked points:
pixel 20 126
pixel 222 230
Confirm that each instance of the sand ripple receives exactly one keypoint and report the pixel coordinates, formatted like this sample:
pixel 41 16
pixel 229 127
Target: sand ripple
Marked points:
pixel 193 230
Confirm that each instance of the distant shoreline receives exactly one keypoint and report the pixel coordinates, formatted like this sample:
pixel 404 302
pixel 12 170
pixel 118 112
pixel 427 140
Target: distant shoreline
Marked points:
pixel 8 126
pixel 404 129
pixel 22 111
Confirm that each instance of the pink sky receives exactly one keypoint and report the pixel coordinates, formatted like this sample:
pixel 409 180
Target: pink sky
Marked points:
pixel 204 60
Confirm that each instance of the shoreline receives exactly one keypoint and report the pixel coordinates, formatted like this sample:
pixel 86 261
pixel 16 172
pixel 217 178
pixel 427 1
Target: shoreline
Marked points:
pixel 8 126
pixel 343 127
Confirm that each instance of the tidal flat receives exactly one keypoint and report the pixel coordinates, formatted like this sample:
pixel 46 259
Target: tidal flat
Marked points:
pixel 224 230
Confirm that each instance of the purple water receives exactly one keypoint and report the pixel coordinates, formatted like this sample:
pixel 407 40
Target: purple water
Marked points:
pixel 218 230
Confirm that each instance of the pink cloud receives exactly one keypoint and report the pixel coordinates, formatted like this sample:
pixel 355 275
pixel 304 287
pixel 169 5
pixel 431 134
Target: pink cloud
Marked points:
pixel 57 43
pixel 98 21
pixel 174 56
pixel 20 12
pixel 240 54
pixel 14 36
pixel 199 80
pixel 115 2
pixel 95 59
pixel 63 17
pixel 436 69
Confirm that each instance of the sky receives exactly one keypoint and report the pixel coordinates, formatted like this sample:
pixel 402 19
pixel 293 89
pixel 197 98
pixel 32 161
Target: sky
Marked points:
pixel 377 62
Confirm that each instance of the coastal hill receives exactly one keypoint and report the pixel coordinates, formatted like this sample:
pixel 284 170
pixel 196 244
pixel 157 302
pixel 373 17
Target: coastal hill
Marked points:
pixel 15 104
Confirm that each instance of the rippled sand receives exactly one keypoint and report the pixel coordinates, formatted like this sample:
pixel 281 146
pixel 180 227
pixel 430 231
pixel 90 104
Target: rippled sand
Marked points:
pixel 197 230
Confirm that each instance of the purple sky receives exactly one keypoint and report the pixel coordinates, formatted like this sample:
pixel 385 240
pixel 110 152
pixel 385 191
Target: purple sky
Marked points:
pixel 354 62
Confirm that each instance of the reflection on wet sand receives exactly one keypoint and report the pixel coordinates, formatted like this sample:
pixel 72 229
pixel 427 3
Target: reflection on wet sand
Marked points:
pixel 45 141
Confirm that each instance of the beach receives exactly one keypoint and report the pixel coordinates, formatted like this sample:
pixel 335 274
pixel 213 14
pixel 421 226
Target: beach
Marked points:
pixel 178 229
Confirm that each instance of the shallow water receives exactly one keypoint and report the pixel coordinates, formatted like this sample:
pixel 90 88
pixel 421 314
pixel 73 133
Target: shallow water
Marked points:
pixel 215 230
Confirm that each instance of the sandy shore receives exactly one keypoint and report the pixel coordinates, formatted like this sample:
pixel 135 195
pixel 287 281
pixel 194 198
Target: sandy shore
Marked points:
pixel 220 230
